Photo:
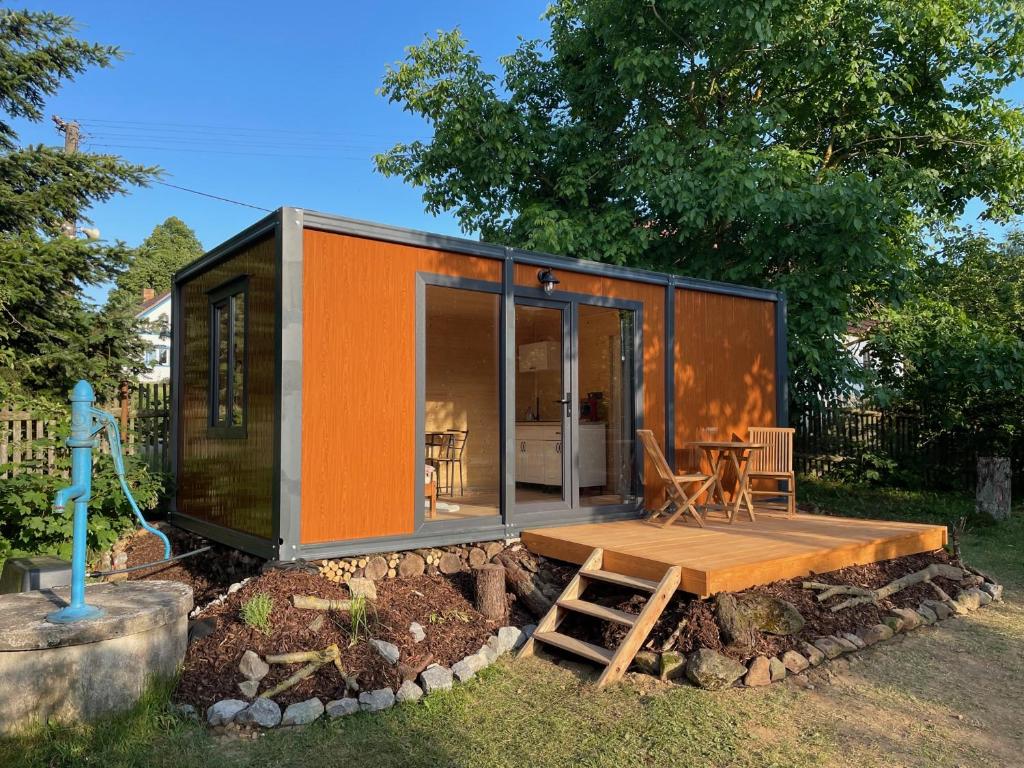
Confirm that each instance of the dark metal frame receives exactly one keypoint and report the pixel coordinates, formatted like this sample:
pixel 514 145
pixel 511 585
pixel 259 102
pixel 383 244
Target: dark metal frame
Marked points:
pixel 219 297
pixel 287 225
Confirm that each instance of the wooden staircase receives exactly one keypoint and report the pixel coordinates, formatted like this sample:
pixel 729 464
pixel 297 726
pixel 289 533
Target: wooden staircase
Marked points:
pixel 617 661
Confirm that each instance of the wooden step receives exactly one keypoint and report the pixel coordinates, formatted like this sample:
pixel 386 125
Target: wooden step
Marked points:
pixel 594 653
pixel 599 611
pixel 622 580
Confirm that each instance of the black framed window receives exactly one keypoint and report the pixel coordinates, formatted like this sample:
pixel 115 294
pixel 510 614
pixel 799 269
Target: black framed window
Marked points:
pixel 228 359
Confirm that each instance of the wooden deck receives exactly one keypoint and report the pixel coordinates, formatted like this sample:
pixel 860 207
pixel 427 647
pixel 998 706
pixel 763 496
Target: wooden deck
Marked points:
pixel 723 557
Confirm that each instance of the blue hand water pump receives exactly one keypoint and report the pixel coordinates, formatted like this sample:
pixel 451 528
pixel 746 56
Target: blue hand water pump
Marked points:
pixel 87 422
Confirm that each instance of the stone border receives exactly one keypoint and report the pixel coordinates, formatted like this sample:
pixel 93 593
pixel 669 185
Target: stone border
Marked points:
pixel 711 670
pixel 235 715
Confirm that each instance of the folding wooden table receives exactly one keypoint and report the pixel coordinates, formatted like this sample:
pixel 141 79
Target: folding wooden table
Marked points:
pixel 735 454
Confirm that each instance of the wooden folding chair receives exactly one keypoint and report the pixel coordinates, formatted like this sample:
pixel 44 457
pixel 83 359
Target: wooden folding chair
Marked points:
pixel 675 484
pixel 775 462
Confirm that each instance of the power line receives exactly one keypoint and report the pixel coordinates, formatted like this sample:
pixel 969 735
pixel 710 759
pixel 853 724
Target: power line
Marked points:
pixel 137 125
pixel 215 197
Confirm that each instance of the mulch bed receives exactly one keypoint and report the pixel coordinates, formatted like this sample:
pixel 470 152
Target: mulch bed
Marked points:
pixel 439 603
pixel 701 630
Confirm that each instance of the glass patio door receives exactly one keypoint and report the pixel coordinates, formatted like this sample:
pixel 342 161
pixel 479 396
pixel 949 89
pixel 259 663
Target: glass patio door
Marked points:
pixel 543 406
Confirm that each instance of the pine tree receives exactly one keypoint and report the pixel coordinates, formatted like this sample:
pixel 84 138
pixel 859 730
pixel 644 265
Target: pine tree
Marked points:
pixel 51 334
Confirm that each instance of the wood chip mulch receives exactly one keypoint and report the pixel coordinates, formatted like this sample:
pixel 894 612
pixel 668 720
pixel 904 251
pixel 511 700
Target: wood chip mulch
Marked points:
pixel 438 603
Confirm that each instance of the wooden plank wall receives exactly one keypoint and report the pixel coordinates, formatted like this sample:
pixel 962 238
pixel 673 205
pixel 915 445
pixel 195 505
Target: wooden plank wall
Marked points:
pixel 359 381
pixel 725 367
pixel 229 481
pixel 653 299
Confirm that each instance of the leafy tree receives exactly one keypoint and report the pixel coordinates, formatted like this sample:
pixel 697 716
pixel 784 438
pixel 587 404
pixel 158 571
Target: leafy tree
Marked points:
pixel 954 350
pixel 809 146
pixel 50 334
pixel 170 246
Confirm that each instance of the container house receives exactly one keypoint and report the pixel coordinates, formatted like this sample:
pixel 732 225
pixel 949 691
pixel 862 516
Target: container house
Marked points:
pixel 343 387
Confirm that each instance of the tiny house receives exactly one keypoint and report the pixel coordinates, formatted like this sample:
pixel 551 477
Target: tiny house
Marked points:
pixel 343 387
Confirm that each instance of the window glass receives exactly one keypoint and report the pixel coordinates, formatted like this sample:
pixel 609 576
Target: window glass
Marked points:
pixel 228 359
pixel 238 357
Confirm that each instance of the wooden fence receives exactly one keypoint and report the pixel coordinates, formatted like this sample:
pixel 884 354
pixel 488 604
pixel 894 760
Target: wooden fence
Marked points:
pixel 826 438
pixel 31 444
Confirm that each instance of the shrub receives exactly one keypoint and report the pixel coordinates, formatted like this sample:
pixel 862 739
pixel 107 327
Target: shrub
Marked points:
pixel 29 525
pixel 256 612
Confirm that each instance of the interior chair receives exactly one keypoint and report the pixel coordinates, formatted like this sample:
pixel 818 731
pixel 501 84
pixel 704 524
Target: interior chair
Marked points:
pixel 452 459
pixel 437 449
pixel 675 485
pixel 775 462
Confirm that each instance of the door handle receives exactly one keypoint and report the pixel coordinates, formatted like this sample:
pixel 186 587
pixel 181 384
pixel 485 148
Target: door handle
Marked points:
pixel 567 402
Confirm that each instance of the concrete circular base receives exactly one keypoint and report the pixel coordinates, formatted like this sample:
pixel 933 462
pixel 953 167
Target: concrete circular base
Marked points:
pixel 85 669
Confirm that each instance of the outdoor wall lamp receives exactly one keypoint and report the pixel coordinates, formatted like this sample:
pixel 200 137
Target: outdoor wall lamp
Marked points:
pixel 547 280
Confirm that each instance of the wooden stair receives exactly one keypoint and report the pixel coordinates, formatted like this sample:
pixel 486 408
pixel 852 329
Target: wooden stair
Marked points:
pixel 615 661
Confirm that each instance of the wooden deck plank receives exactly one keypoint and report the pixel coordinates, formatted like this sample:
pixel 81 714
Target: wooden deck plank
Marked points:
pixel 725 556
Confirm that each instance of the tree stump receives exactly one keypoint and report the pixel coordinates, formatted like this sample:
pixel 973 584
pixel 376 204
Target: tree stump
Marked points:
pixel 449 563
pixel 490 591
pixel 993 493
pixel 411 565
pixel 523 585
pixel 476 557
pixel 376 568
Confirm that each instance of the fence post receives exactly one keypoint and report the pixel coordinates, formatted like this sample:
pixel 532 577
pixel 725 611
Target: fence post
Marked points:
pixel 124 400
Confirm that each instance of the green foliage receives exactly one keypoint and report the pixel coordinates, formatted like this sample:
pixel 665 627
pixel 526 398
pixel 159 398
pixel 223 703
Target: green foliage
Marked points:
pixel 805 146
pixel 256 612
pixel 29 525
pixel 170 246
pixel 51 334
pixel 361 616
pixel 954 350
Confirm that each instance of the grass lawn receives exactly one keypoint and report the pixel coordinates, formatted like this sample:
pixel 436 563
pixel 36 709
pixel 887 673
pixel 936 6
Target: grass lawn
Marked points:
pixel 942 696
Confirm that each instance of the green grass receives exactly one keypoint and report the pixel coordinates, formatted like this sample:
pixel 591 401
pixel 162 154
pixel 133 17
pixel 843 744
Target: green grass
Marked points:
pixel 535 713
pixel 256 612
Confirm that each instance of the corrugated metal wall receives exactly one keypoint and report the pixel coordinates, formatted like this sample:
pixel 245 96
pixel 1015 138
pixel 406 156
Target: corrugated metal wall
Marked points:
pixel 229 481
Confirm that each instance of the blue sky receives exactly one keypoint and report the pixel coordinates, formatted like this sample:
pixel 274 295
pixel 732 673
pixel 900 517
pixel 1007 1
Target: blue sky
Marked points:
pixel 267 103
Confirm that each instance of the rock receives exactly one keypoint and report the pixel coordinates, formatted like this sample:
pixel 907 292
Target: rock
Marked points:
pixel 467 668
pixel 200 628
pixel 776 668
pixel 493 548
pixel 342 707
pixel 249 688
pixel 995 590
pixel 969 599
pixel 360 587
pixel 317 624
pixel 794 662
pixel 939 608
pixel 984 596
pixel 711 670
pixel 477 557
pixel 388 651
pixel 450 563
pixel 971 580
pixel 528 630
pixel 224 711
pixel 417 632
pixel 733 625
pixel 759 673
pixel 671 665
pixel 852 638
pixel 927 614
pixel 830 647
pixel 876 634
pixel 408 692
pixel 376 568
pixel 375 701
pixel 234 587
pixel 186 711
pixel 252 666
pixel 846 645
pixel 647 662
pixel 911 620
pixel 436 678
pixel 895 623
pixel 302 712
pixel 411 565
pixel 770 614
pixel 510 638
pixel 489 653
pixel 262 712
pixel 813 655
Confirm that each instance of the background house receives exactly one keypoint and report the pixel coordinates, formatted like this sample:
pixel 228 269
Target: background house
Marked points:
pixel 156 310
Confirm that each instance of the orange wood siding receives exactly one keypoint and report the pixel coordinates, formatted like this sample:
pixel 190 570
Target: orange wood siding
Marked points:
pixel 359 381
pixel 653 299
pixel 725 366
pixel 229 481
